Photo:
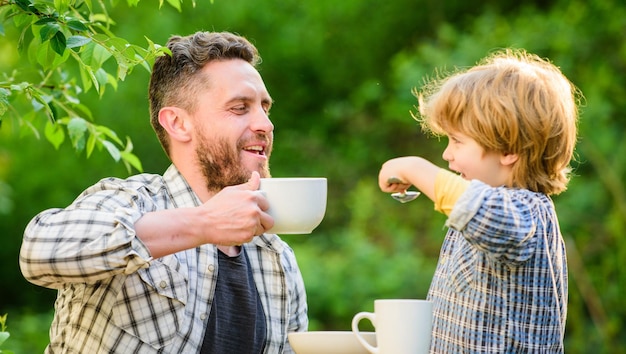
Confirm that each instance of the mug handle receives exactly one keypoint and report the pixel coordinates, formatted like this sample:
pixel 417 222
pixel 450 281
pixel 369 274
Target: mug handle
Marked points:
pixel 355 329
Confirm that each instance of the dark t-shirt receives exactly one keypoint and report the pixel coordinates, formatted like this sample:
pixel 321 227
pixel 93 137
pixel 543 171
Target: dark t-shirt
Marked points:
pixel 237 321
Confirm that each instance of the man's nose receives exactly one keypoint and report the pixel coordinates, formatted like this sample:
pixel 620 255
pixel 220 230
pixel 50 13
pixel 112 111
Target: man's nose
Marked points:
pixel 261 122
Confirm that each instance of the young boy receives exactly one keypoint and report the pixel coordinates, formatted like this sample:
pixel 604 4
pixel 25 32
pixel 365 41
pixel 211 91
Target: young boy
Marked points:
pixel 501 280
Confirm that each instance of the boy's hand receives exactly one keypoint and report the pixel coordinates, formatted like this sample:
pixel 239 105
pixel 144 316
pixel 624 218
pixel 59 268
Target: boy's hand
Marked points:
pixel 390 177
pixel 399 174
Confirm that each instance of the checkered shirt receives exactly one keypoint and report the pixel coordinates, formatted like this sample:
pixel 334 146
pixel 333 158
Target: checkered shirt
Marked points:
pixel 114 298
pixel 501 282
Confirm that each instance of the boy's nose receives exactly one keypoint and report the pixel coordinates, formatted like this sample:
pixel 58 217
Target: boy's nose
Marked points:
pixel 447 156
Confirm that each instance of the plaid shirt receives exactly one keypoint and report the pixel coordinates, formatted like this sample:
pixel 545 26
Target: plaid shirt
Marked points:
pixel 114 298
pixel 501 281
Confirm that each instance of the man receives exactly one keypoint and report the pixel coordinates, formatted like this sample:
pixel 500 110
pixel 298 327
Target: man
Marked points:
pixel 178 263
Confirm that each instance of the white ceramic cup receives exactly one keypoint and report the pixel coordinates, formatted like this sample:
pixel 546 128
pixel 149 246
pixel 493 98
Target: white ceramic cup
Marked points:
pixel 297 204
pixel 403 326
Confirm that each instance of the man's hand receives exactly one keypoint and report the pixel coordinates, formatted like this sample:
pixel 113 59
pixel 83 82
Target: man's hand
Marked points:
pixel 231 217
pixel 237 213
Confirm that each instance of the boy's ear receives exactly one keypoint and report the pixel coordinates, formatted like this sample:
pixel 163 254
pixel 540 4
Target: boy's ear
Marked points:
pixel 176 122
pixel 508 159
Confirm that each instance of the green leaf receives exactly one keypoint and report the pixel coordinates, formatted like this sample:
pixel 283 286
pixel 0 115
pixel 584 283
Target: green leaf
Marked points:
pixel 118 43
pixel 112 149
pixel 175 4
pixel 59 43
pixel 42 9
pixel 91 144
pixel 112 81
pixel 23 4
pixel 87 77
pixel 83 111
pixel 26 126
pixel 3 337
pixel 61 5
pixel 109 133
pixel 77 25
pixel 122 69
pixel 132 160
pixel 101 77
pixel 67 94
pixel 77 41
pixel 54 133
pixel 130 53
pixel 45 55
pixel 45 20
pixel 48 31
pixel 4 101
pixel 89 5
pixel 94 55
pixel 77 127
pixel 102 18
pixel 41 101
pixel 3 322
pixel 22 20
pixel 145 64
pixel 20 87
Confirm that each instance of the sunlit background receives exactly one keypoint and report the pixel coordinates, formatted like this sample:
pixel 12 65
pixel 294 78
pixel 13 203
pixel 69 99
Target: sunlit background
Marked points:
pixel 341 74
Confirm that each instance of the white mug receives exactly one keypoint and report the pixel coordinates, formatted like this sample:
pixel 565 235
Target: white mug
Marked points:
pixel 403 326
pixel 297 204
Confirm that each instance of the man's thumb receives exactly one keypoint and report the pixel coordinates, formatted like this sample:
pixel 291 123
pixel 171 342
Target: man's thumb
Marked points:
pixel 255 181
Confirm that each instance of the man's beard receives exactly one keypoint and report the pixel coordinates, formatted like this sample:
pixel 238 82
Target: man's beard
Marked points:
pixel 222 165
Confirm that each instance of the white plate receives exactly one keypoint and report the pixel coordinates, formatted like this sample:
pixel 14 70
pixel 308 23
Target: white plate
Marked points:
pixel 329 342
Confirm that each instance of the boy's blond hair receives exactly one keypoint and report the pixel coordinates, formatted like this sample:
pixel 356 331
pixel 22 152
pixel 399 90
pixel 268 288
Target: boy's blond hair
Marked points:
pixel 512 102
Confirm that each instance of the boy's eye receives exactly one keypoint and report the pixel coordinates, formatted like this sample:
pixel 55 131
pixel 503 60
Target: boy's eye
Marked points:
pixel 454 139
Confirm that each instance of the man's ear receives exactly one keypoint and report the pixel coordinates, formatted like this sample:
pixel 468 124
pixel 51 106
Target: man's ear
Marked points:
pixel 176 122
pixel 508 159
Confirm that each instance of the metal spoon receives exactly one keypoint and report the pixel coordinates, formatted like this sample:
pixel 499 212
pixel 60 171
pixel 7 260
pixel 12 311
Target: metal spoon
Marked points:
pixel 402 197
pixel 406 196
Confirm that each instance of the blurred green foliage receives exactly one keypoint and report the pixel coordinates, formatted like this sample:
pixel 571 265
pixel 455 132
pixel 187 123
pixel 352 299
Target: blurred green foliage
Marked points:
pixel 4 335
pixel 68 49
pixel 341 74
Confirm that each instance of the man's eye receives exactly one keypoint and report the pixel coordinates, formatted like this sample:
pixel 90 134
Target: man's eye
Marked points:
pixel 240 109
